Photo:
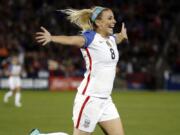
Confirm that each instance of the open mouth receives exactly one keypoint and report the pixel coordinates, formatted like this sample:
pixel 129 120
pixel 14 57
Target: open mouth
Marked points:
pixel 111 28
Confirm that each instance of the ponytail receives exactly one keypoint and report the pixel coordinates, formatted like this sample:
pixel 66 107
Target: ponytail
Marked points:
pixel 84 18
pixel 80 17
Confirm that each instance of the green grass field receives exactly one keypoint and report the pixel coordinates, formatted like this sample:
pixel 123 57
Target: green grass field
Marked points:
pixel 142 113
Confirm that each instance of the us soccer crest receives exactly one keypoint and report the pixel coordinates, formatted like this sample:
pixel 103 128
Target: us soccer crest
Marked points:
pixel 86 123
pixel 108 43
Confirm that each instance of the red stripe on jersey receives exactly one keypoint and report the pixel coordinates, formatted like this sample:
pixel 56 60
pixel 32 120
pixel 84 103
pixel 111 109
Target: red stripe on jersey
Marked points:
pixel 90 67
pixel 80 113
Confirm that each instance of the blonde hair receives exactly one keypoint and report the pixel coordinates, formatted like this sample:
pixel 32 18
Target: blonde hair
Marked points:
pixel 82 18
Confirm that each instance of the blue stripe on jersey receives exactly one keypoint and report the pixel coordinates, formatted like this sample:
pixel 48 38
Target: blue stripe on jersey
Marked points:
pixel 89 36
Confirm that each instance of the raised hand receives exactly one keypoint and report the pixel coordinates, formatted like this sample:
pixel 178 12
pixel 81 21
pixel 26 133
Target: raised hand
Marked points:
pixel 43 37
pixel 121 36
pixel 123 32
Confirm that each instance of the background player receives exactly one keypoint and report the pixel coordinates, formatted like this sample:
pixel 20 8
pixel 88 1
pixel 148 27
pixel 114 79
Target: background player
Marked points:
pixel 14 72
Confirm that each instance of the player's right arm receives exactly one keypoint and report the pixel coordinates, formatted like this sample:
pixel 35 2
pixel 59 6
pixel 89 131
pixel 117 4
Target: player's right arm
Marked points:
pixel 45 37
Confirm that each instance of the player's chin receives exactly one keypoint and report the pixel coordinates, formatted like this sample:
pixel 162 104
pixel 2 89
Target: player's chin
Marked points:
pixel 110 31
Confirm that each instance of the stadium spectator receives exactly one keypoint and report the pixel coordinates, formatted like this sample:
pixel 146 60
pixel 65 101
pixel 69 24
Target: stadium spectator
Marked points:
pixel 148 23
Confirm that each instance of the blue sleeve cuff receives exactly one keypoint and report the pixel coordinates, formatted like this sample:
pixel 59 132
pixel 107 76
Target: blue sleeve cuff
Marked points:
pixel 89 37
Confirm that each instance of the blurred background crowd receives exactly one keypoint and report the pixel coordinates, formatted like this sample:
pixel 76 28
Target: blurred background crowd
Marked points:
pixel 153 51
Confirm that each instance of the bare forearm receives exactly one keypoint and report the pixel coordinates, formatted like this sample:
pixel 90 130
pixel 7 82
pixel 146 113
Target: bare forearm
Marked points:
pixel 45 37
pixel 68 40
pixel 119 38
pixel 65 40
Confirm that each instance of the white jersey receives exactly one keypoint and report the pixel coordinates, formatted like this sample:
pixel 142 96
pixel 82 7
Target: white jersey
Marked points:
pixel 14 78
pixel 101 57
pixel 15 70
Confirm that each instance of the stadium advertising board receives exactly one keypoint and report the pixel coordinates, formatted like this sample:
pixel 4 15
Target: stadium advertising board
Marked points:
pixel 136 81
pixel 27 83
pixel 64 83
pixel 173 82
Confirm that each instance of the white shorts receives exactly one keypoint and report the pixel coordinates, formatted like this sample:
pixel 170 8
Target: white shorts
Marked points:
pixel 14 82
pixel 88 111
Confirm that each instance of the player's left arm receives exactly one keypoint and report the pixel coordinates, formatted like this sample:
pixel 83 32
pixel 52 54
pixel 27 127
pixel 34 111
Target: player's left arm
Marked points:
pixel 122 35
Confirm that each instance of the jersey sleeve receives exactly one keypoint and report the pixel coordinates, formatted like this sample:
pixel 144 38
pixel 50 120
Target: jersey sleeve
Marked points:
pixel 88 36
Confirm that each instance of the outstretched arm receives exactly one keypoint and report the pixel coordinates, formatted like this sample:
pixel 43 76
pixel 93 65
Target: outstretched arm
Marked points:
pixel 45 37
pixel 122 35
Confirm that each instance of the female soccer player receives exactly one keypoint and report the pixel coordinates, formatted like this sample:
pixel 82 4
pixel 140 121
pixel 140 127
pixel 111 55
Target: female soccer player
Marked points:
pixel 15 70
pixel 93 104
